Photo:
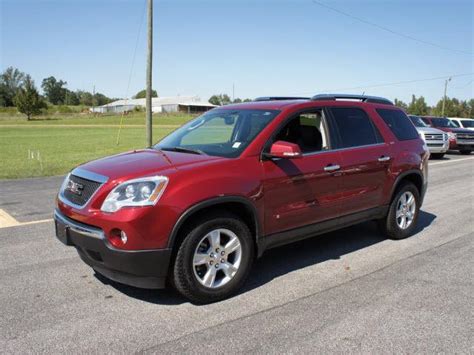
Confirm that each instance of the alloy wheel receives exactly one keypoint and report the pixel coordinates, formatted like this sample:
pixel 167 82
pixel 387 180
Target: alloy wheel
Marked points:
pixel 406 209
pixel 217 258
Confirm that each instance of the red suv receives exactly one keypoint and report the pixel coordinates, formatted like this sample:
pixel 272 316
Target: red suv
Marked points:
pixel 198 207
pixel 459 138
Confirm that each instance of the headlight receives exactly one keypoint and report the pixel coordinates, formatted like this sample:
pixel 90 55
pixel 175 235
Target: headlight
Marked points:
pixel 451 135
pixel 422 135
pixel 135 193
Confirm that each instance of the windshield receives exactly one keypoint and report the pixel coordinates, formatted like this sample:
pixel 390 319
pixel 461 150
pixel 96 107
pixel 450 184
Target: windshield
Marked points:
pixel 418 122
pixel 442 122
pixel 224 133
pixel 468 123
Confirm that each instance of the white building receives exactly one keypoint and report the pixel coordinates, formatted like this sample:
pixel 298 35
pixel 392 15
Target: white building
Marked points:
pixel 189 104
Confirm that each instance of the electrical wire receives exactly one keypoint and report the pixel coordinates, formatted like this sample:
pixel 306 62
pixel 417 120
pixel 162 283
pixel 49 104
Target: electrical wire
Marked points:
pixel 387 84
pixel 132 67
pixel 386 29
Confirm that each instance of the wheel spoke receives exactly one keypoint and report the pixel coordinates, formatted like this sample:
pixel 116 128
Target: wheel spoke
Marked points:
pixel 229 269
pixel 209 277
pixel 232 245
pixel 215 238
pixel 399 213
pixel 410 200
pixel 200 259
pixel 404 222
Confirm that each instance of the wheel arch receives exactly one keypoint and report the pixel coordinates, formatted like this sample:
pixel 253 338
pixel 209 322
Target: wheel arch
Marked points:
pixel 240 206
pixel 413 176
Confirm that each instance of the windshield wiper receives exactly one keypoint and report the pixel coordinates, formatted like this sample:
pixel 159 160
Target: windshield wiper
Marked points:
pixel 183 150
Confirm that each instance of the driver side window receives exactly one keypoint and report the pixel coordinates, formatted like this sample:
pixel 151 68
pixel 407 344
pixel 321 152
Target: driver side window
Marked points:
pixel 308 130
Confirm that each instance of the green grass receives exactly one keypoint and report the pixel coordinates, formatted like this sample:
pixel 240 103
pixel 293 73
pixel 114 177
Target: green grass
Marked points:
pixel 66 142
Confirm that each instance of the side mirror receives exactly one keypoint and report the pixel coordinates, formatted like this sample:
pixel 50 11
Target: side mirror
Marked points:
pixel 285 150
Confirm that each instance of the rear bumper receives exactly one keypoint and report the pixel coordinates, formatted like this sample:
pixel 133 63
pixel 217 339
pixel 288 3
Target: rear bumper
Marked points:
pixel 139 268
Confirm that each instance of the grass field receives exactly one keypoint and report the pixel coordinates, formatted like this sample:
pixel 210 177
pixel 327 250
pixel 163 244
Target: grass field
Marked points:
pixel 64 142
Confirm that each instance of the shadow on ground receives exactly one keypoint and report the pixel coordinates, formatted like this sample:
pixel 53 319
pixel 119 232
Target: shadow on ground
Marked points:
pixel 283 260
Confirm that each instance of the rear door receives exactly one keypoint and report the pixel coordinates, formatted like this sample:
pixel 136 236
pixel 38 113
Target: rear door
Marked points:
pixel 365 159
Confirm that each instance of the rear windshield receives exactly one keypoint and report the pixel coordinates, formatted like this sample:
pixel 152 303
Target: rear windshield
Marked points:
pixel 399 124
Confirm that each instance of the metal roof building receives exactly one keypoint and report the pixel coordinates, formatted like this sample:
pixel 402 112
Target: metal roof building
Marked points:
pixel 189 104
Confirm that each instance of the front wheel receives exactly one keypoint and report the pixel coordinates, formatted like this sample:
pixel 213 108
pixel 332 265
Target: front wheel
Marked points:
pixel 214 259
pixel 403 213
pixel 465 152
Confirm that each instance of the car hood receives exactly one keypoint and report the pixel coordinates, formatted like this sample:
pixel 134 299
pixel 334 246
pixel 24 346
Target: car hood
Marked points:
pixel 429 130
pixel 144 162
pixel 454 130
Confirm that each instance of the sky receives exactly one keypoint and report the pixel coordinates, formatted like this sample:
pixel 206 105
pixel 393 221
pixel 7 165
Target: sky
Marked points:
pixel 258 47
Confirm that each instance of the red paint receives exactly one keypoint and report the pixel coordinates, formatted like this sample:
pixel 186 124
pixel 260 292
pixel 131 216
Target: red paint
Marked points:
pixel 286 193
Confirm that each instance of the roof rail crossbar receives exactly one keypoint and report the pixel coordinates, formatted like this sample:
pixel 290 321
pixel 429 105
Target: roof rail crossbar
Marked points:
pixel 363 98
pixel 280 98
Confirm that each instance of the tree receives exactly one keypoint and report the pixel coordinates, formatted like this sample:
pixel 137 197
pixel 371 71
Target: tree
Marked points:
pixel 418 106
pixel 27 99
pixel 54 90
pixel 142 94
pixel 10 82
pixel 219 100
pixel 401 104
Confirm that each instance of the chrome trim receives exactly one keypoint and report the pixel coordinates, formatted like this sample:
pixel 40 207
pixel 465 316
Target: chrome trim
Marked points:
pixel 384 158
pixel 332 168
pixel 85 174
pixel 339 149
pixel 89 175
pixel 78 227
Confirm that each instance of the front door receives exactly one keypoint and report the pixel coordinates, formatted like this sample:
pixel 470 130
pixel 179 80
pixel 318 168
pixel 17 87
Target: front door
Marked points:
pixel 305 190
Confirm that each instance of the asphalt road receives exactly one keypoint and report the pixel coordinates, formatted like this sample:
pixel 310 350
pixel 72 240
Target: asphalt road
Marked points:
pixel 347 291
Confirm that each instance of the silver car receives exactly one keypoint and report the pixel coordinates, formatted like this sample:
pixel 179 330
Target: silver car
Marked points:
pixel 436 140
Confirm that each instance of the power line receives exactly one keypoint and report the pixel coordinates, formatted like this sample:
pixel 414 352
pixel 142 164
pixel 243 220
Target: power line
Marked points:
pixel 386 29
pixel 387 84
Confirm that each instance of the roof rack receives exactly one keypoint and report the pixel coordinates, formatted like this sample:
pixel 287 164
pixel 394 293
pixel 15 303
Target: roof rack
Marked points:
pixel 363 98
pixel 280 98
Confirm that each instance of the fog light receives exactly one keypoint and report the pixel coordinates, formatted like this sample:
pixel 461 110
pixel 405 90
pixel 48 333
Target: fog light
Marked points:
pixel 117 237
pixel 123 237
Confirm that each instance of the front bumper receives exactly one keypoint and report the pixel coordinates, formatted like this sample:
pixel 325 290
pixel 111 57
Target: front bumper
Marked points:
pixel 437 146
pixel 139 268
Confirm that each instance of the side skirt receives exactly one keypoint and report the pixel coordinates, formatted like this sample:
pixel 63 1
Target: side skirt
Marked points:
pixel 312 230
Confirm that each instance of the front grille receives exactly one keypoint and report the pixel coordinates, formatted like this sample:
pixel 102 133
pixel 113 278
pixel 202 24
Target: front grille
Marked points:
pixel 465 136
pixel 78 190
pixel 434 137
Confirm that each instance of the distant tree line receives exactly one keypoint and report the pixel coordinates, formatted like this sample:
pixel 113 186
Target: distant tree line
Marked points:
pixel 18 89
pixel 453 107
pixel 224 99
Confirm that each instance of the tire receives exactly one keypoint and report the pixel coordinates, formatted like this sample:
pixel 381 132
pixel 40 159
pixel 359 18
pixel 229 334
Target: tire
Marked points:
pixel 390 225
pixel 437 155
pixel 192 280
pixel 465 152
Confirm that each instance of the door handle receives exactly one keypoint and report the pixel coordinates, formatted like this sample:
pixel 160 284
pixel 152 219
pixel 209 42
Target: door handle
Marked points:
pixel 332 167
pixel 384 158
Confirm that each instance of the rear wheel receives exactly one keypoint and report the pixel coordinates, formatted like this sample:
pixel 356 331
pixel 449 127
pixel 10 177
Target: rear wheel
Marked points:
pixel 214 259
pixel 465 152
pixel 403 212
pixel 437 155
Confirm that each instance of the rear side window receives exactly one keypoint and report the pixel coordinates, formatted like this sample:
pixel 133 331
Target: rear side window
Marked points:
pixel 355 127
pixel 399 124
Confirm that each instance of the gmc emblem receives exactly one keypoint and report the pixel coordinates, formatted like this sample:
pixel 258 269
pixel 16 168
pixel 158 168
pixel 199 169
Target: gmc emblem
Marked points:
pixel 75 187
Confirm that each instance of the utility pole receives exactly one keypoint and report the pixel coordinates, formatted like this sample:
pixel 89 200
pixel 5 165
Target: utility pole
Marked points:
pixel 149 64
pixel 233 92
pixel 444 97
